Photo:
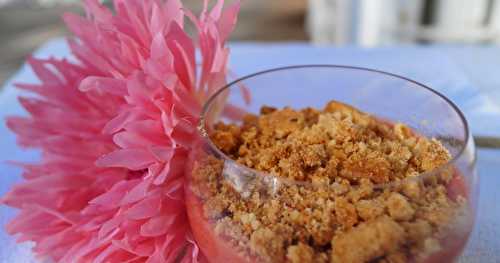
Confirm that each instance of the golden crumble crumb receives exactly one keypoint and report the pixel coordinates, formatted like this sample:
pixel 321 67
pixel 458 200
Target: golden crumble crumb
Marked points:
pixel 214 207
pixel 249 219
pixel 412 189
pixel 279 124
pixel 345 212
pixel 267 109
pixel 228 229
pixel 336 106
pixel 367 241
pixel 364 190
pixel 227 137
pixel 399 208
pixel 225 141
pixel 402 131
pixel 310 116
pixel 431 154
pixel 313 155
pixel 371 165
pixel 370 209
pixel 300 253
pixel 418 230
pixel 264 242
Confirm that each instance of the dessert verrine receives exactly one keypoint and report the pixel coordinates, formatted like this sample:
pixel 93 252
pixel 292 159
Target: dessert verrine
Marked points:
pixel 331 184
pixel 335 201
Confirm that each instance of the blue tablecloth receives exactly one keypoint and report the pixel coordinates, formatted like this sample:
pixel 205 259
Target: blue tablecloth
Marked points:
pixel 470 76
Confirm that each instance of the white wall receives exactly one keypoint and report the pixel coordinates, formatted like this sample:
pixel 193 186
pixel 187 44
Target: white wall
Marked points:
pixel 372 23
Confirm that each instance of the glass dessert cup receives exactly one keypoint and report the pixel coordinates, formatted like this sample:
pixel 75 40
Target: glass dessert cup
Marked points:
pixel 387 97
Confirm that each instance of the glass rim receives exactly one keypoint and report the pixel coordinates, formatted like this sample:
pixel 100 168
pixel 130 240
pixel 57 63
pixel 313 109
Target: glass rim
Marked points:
pixel 202 130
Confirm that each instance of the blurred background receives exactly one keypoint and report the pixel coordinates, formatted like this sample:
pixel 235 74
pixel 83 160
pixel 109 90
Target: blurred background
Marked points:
pixel 26 24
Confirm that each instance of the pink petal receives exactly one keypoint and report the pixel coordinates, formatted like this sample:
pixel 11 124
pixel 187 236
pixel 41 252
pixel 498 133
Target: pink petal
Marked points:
pixel 103 255
pixel 46 75
pixel 183 133
pixel 127 139
pixel 162 153
pixel 159 49
pixel 175 189
pixel 162 175
pixel 182 49
pixel 137 193
pixel 148 128
pixel 144 209
pixel 220 61
pixel 113 196
pixel 173 168
pixel 108 85
pixel 228 20
pixel 234 112
pixel 100 13
pixel 119 122
pixel 217 10
pixel 123 244
pixel 173 11
pixel 26 220
pixel 133 159
pixel 157 226
pixel 157 21
pixel 110 228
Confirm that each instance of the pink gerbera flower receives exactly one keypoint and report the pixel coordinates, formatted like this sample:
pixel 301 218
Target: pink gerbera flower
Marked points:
pixel 114 130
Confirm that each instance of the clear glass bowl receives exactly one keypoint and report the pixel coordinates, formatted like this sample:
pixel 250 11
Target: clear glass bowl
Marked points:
pixel 387 96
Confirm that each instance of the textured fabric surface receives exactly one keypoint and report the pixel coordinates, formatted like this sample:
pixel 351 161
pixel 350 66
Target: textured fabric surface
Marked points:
pixel 464 74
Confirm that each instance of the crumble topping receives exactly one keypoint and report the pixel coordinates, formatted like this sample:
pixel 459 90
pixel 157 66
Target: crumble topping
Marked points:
pixel 353 197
